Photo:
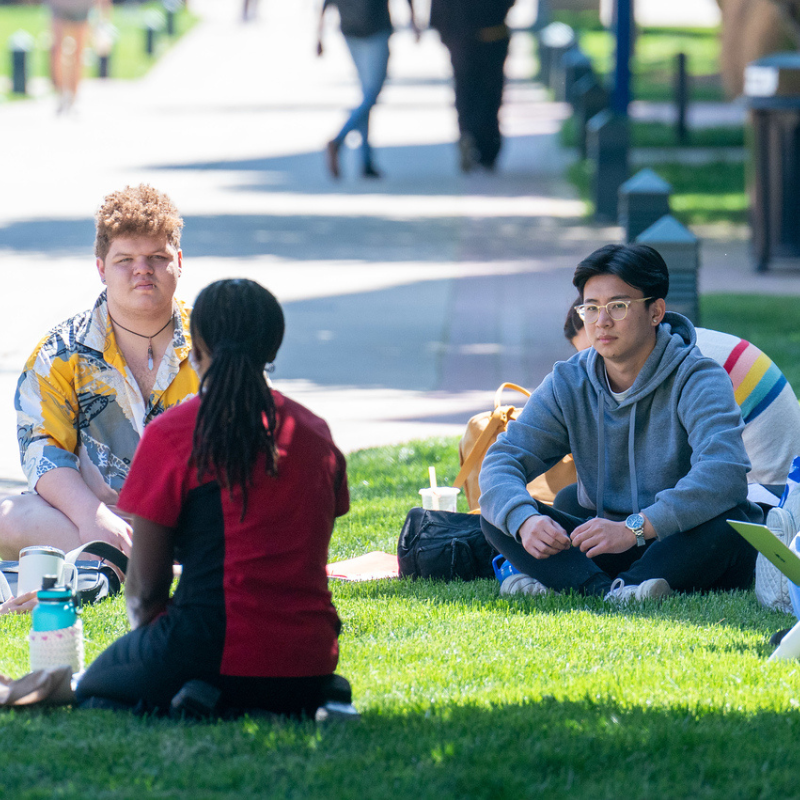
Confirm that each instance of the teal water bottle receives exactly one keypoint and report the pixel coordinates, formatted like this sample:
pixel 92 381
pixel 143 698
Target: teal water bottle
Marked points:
pixel 55 608
pixel 57 635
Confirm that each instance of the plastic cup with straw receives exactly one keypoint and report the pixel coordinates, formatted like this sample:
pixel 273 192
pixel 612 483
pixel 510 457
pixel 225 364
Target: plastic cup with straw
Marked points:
pixel 438 498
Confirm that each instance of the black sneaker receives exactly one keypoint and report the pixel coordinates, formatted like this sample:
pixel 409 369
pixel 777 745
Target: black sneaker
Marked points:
pixel 338 704
pixel 468 152
pixel 196 700
pixel 777 637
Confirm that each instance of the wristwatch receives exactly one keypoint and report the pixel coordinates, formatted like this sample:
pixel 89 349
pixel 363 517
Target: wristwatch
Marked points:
pixel 635 524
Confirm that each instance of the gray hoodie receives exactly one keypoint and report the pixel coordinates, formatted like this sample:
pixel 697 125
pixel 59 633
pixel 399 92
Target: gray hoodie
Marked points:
pixel 672 449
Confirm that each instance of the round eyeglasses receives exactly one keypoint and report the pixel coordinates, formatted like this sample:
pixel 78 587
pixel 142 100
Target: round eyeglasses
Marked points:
pixel 616 309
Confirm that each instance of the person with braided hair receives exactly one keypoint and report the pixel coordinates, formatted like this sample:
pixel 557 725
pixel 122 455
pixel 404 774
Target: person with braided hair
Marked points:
pixel 242 486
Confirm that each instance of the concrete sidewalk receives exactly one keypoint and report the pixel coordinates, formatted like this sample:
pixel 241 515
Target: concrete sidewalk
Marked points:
pixel 408 300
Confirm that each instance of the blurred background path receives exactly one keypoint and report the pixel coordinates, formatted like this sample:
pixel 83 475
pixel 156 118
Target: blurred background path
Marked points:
pixel 408 299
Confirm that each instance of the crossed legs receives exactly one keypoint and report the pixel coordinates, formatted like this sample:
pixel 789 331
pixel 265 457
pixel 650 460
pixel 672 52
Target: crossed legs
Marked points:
pixel 710 556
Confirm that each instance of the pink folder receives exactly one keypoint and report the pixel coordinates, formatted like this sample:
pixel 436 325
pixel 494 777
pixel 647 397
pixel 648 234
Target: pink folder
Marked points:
pixel 369 567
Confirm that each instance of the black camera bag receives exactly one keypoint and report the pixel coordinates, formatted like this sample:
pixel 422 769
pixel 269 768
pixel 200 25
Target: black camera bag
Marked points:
pixel 444 545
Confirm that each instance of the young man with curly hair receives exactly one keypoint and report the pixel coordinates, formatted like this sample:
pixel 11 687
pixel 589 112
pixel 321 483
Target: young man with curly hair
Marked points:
pixel 95 381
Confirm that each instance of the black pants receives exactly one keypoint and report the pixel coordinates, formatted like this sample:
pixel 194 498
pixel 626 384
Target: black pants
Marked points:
pixel 478 79
pixel 145 669
pixel 711 556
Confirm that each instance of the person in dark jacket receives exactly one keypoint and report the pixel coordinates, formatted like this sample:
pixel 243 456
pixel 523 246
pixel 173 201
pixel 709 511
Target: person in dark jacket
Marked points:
pixel 367 26
pixel 476 34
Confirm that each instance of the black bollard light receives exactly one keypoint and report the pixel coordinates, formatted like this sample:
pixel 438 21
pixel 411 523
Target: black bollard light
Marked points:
pixel 608 144
pixel 554 41
pixel 680 249
pixel 575 64
pixel 149 39
pixel 643 200
pixel 590 99
pixel 104 37
pixel 171 8
pixel 153 23
pixel 20 44
pixel 681 98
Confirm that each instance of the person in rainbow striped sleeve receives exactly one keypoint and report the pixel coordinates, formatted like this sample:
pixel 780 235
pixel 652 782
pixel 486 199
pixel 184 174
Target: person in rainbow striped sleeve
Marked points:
pixel 768 403
pixel 769 406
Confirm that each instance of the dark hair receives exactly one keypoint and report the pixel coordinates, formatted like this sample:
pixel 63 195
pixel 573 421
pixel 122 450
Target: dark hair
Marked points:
pixel 241 326
pixel 573 324
pixel 638 265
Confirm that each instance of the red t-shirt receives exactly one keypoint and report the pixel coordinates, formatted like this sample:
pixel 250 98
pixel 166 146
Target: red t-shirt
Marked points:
pixel 267 571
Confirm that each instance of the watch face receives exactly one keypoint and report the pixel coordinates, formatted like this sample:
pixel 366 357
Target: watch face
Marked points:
pixel 634 521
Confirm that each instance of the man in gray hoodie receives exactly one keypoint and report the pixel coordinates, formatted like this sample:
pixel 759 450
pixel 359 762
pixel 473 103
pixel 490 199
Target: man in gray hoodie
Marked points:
pixel 656 435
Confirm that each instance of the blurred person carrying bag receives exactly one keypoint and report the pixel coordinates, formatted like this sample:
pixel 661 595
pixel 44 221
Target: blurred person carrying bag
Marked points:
pixel 481 432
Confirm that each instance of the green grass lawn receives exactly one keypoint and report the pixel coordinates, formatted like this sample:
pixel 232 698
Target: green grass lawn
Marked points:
pixel 128 60
pixel 465 694
pixel 767 322
pixel 653 65
pixel 701 193
pixel 661 135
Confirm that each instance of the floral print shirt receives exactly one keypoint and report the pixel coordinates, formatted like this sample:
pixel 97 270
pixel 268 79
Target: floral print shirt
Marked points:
pixel 79 406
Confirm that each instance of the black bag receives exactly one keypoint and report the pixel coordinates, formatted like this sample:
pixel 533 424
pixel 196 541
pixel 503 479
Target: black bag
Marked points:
pixel 445 545
pixel 96 580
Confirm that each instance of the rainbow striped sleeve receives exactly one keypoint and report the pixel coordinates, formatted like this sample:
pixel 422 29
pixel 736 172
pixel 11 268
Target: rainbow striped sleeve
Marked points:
pixel 756 380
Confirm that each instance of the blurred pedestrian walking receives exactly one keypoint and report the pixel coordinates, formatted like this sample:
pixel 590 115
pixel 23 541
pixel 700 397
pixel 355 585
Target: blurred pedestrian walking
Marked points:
pixel 367 26
pixel 70 26
pixel 249 10
pixel 476 34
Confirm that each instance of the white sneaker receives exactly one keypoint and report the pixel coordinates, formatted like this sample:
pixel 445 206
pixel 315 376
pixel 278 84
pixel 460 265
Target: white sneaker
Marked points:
pixel 653 589
pixel 782 524
pixel 520 583
pixel 791 509
pixel 334 711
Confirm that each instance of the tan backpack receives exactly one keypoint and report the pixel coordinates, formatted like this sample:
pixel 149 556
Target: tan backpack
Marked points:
pixel 481 432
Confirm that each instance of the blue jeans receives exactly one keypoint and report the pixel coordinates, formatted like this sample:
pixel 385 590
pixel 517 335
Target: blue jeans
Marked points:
pixel 371 56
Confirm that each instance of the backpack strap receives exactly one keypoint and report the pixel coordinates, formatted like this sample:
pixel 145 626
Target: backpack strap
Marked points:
pixel 499 393
pixel 102 549
pixel 5 589
pixel 497 422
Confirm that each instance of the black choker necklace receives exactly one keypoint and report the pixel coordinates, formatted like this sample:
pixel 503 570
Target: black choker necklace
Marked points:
pixel 143 336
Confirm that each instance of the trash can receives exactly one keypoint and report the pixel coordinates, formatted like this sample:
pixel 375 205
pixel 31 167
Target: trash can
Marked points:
pixel 772 86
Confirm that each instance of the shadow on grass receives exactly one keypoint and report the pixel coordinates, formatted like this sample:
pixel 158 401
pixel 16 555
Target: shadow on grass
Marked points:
pixel 554 748
pixel 737 610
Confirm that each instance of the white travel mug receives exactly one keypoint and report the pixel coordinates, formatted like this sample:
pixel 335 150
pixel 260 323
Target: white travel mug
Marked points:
pixel 39 560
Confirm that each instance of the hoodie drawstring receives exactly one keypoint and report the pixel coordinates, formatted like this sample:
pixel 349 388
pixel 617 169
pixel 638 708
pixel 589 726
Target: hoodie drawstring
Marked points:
pixel 601 461
pixel 632 461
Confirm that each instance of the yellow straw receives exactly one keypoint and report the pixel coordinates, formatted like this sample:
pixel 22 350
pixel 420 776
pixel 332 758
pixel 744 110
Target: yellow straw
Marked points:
pixel 432 475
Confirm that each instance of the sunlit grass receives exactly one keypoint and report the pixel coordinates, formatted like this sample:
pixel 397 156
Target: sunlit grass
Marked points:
pixel 701 193
pixel 654 60
pixel 464 693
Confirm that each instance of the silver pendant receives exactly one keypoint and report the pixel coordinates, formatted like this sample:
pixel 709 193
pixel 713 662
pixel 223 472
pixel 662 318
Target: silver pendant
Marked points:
pixel 150 357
